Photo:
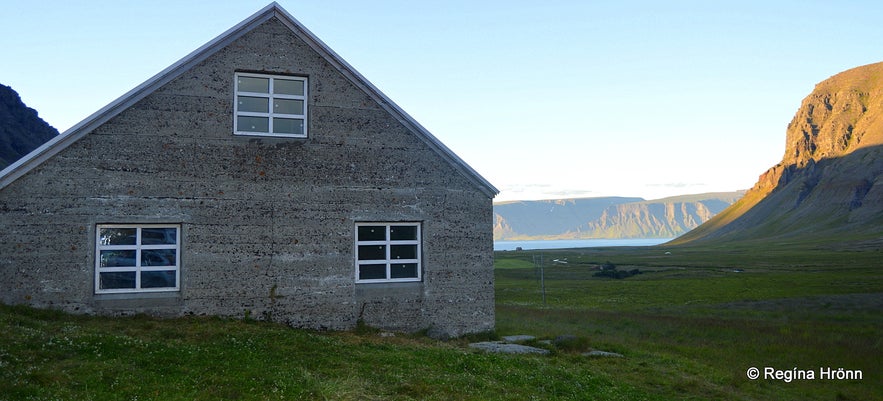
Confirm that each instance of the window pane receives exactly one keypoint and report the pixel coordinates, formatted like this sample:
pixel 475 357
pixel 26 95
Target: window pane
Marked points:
pixel 253 124
pixel 288 106
pixel 114 280
pixel 117 236
pixel 403 270
pixel 159 236
pixel 158 279
pixel 158 257
pixel 403 252
pixel 253 104
pixel 122 258
pixel 372 233
pixel 372 272
pixel 288 126
pixel 288 87
pixel 254 84
pixel 372 252
pixel 401 233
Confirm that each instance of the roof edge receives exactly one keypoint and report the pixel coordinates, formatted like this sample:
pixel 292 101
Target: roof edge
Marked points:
pixel 71 135
pixel 55 145
pixel 357 78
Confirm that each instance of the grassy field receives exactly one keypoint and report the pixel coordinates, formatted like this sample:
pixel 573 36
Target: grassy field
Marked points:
pixel 690 325
pixel 695 320
pixel 48 355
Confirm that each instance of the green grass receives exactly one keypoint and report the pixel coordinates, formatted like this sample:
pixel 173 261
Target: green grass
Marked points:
pixel 694 321
pixel 51 355
pixel 689 327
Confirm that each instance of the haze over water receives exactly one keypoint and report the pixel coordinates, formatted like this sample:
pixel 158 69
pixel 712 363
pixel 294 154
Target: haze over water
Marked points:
pixel 576 243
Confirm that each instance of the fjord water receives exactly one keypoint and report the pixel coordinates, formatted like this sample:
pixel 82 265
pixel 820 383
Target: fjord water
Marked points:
pixel 576 243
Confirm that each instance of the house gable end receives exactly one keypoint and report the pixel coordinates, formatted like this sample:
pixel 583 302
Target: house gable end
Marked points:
pixel 273 10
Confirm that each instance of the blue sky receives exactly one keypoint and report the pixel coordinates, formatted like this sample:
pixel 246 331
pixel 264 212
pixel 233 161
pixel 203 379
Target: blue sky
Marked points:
pixel 550 99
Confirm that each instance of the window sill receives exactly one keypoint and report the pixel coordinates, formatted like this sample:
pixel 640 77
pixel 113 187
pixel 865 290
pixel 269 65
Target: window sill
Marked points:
pixel 388 288
pixel 137 295
pixel 407 281
pixel 277 136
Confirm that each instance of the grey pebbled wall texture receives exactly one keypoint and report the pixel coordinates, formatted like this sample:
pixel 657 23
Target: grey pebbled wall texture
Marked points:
pixel 267 223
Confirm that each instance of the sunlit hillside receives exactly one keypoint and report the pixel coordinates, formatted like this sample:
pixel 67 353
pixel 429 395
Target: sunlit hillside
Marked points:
pixel 828 186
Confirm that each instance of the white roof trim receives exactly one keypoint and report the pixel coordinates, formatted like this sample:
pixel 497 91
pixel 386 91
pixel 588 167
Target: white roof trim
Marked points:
pixel 389 105
pixel 62 141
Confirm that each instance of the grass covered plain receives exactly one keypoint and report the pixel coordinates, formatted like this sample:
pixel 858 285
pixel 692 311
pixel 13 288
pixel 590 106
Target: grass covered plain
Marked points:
pixel 696 319
pixel 49 355
pixel 690 325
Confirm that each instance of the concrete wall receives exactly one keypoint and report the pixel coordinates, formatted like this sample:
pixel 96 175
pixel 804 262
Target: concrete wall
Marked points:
pixel 267 224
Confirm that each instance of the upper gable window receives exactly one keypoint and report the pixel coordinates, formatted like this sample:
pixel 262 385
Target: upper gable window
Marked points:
pixel 270 105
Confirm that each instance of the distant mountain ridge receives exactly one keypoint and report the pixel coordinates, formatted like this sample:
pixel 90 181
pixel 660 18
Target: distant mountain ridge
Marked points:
pixel 21 129
pixel 606 217
pixel 828 188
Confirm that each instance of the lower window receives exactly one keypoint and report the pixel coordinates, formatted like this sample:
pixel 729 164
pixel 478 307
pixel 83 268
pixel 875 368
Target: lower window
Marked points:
pixel 388 252
pixel 137 258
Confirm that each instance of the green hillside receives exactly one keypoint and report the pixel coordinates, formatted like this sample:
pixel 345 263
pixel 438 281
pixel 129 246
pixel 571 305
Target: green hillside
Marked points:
pixel 21 129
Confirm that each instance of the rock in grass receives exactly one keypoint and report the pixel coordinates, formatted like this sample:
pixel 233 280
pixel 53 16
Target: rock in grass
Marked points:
pixel 518 338
pixel 597 353
pixel 500 347
pixel 564 339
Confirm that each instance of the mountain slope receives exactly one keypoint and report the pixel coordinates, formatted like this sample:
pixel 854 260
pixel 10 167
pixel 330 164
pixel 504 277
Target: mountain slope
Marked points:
pixel 828 185
pixel 610 217
pixel 21 129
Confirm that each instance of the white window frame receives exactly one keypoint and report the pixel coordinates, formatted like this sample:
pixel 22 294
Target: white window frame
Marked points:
pixel 138 268
pixel 270 96
pixel 388 261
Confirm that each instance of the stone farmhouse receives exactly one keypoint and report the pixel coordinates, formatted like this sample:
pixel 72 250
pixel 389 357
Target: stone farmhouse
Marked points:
pixel 260 176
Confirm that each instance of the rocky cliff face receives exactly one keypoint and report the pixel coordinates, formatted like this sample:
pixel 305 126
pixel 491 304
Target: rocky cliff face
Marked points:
pixel 611 217
pixel 21 130
pixel 829 180
pixel 843 114
pixel 665 219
